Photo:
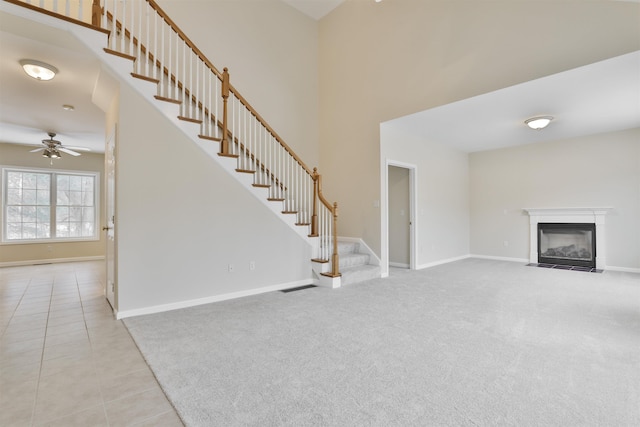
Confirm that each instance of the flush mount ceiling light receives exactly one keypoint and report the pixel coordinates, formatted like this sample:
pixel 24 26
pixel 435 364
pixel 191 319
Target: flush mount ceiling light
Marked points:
pixel 537 123
pixel 38 70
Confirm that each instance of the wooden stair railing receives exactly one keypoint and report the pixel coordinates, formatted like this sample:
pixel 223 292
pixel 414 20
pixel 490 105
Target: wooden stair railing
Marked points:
pixel 163 54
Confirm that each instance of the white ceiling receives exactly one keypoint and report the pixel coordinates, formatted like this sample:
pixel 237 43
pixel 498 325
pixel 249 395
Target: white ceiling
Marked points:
pixel 597 98
pixel 30 108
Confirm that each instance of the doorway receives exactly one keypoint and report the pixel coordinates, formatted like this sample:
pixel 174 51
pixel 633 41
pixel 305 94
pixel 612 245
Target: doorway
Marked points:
pixel 399 215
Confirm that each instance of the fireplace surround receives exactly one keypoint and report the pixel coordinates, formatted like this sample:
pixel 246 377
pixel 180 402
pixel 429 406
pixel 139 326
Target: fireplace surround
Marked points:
pixel 595 216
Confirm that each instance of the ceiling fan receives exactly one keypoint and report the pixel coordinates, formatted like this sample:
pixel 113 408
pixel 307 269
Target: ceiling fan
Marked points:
pixel 52 148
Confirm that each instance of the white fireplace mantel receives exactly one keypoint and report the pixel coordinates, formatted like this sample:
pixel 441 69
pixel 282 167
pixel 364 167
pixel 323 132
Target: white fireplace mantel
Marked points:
pixel 569 215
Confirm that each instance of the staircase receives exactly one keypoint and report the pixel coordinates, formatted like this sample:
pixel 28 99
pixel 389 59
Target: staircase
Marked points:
pixel 355 266
pixel 145 48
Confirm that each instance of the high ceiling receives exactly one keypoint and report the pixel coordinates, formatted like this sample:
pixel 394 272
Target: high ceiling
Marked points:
pixel 601 97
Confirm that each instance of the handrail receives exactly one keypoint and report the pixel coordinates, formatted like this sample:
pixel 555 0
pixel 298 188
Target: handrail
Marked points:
pixel 232 89
pixel 184 37
pixel 57 15
pixel 190 79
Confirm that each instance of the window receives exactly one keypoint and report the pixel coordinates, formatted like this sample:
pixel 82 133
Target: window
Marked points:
pixel 43 205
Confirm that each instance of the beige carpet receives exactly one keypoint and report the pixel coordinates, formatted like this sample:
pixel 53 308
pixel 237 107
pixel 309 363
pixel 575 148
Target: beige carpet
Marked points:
pixel 474 342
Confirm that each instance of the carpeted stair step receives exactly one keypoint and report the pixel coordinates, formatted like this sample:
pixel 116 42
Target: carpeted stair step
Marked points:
pixel 359 273
pixel 353 260
pixel 347 248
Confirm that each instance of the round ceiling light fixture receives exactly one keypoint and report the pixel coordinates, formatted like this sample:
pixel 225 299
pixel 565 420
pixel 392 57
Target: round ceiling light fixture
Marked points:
pixel 38 69
pixel 537 123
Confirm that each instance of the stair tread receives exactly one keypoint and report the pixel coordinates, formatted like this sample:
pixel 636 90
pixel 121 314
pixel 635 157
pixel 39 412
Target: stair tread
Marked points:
pixel 362 267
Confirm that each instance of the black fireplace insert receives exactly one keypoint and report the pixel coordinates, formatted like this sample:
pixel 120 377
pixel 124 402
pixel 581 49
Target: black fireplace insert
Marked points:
pixel 567 244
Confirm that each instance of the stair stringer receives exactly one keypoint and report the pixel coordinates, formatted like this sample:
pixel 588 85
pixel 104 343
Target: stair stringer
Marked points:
pixel 123 67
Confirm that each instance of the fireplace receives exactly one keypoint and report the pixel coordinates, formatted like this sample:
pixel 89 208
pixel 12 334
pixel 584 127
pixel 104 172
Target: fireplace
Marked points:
pixel 590 224
pixel 571 244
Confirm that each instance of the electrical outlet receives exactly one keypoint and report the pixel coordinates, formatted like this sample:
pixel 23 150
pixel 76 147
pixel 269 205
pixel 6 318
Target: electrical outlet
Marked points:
pixel 230 268
pixel 252 265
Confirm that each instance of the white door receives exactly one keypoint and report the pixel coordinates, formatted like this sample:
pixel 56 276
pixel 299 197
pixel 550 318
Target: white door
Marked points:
pixel 110 172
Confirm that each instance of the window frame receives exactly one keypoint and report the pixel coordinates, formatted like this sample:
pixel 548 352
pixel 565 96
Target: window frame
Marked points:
pixel 53 173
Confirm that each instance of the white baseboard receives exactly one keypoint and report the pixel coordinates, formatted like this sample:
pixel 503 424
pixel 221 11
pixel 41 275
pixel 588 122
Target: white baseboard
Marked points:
pixel 373 258
pixel 440 262
pixel 398 265
pixel 207 300
pixel 622 269
pixel 50 261
pixel 500 258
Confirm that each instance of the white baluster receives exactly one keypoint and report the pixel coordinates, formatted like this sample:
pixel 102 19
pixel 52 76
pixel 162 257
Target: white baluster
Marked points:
pixel 164 88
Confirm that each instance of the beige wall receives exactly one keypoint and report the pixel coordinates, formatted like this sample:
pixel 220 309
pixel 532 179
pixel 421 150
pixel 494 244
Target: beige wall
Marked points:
pixel 18 155
pixel 595 171
pixel 271 50
pixel 380 61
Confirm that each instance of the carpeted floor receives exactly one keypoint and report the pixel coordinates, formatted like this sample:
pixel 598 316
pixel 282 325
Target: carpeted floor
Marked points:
pixel 474 342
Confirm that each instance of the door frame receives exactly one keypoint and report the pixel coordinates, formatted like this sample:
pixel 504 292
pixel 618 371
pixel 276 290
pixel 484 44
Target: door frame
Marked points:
pixel 413 213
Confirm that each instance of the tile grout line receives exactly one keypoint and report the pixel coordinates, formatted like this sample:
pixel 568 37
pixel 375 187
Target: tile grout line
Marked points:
pixel 93 362
pixel 44 341
pixel 4 330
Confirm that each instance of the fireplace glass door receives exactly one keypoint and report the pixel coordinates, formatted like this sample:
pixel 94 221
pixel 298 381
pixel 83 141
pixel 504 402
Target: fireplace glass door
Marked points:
pixel 567 244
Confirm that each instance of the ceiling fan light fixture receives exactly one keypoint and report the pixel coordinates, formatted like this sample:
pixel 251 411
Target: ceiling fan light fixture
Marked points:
pixel 537 123
pixel 51 153
pixel 38 70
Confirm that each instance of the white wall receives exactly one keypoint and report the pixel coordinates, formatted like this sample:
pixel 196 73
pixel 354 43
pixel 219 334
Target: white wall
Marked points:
pixel 595 171
pixel 442 202
pixel 181 220
pixel 380 61
pixel 271 50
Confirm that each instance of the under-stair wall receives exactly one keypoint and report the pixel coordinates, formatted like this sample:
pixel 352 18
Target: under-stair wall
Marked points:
pixel 182 221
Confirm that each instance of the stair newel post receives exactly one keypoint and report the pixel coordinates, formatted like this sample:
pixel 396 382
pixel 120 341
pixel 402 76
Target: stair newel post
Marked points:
pixel 224 143
pixel 314 217
pixel 335 259
pixel 96 13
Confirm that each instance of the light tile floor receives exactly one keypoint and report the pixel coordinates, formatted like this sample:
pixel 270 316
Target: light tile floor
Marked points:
pixel 65 360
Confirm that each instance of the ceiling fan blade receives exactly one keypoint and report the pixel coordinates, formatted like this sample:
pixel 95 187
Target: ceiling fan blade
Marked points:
pixel 69 147
pixel 66 150
pixel 38 149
